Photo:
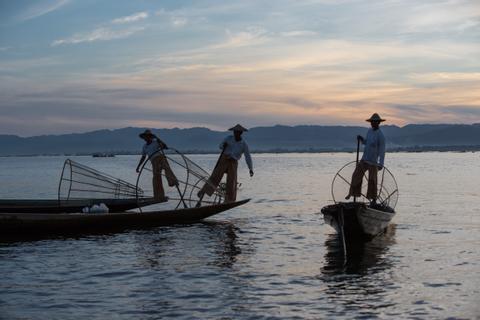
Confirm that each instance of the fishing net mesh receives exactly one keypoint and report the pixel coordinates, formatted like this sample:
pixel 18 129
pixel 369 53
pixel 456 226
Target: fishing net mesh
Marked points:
pixel 387 189
pixel 190 177
pixel 81 182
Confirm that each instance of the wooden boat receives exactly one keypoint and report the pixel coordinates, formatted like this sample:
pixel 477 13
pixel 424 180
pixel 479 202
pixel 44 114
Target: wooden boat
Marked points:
pixel 360 219
pixel 103 155
pixel 81 186
pixel 51 206
pixel 24 225
pixel 357 220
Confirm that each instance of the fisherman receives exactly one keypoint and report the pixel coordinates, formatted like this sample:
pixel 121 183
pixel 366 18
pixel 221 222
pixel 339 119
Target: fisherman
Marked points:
pixel 372 160
pixel 232 147
pixel 153 148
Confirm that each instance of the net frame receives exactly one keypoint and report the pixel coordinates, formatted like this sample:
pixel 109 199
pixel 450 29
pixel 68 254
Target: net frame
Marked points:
pixel 386 195
pixel 193 181
pixel 94 183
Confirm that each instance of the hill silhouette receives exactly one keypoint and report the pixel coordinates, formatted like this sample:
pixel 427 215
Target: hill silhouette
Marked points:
pixel 276 138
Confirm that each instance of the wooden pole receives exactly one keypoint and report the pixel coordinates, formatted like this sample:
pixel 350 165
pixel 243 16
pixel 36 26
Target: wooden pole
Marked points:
pixel 358 152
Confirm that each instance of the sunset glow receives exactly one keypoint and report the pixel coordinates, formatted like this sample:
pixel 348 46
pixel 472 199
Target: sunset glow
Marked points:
pixel 74 66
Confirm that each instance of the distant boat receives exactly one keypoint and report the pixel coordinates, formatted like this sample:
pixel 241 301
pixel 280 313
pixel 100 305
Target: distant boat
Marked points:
pixel 103 155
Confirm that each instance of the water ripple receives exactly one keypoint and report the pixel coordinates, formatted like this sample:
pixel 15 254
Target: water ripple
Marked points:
pixel 271 259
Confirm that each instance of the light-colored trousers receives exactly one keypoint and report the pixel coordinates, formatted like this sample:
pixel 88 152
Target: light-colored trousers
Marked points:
pixel 225 165
pixel 159 163
pixel 357 178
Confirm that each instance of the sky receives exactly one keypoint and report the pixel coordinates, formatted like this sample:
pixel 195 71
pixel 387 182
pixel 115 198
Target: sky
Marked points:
pixel 81 65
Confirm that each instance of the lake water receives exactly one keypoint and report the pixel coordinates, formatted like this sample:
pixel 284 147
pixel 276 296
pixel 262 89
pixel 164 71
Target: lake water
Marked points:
pixel 272 258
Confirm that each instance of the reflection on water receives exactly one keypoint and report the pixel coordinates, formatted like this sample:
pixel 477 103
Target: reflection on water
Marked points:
pixel 360 279
pixel 153 247
pixel 360 256
pixel 227 249
pixel 274 260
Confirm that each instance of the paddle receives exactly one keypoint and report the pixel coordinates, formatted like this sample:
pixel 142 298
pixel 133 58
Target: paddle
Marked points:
pixel 358 152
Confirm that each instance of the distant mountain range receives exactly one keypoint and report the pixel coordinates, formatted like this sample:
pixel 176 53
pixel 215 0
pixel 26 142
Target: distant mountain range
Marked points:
pixel 261 139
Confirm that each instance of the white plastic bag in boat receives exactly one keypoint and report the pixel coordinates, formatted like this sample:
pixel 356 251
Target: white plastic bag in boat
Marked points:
pixel 96 208
pixel 103 207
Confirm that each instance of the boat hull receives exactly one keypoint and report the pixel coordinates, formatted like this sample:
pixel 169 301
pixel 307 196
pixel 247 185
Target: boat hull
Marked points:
pixel 357 219
pixel 69 206
pixel 29 225
pixel 373 221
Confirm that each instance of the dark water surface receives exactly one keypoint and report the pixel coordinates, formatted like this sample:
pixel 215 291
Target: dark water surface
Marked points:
pixel 272 258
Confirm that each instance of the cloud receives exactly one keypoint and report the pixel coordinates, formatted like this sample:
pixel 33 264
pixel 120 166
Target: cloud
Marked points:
pixel 250 37
pixel 41 9
pixel 289 62
pixel 20 65
pixel 99 34
pixel 179 21
pixel 446 77
pixel 444 16
pixel 432 113
pixel 131 18
pixel 177 18
pixel 110 31
pixel 298 33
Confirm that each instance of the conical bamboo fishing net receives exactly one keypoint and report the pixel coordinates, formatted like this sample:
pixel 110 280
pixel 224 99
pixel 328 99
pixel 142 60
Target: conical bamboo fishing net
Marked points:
pixel 387 189
pixel 190 176
pixel 81 182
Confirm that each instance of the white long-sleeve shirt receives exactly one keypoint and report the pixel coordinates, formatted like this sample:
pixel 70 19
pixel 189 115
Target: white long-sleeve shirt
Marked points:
pixel 151 149
pixel 235 149
pixel 374 151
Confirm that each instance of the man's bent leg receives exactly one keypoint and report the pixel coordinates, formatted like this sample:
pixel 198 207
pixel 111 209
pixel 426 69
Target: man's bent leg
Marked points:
pixel 171 178
pixel 215 178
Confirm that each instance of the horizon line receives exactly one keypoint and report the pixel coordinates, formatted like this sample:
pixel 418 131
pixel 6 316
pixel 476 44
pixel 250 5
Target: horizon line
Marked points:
pixel 251 128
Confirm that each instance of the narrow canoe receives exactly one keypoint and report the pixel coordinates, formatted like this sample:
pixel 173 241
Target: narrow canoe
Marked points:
pixel 69 206
pixel 359 220
pixel 29 225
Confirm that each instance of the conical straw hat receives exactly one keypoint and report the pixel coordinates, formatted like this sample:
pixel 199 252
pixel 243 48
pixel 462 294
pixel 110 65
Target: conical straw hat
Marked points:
pixel 145 134
pixel 238 128
pixel 375 117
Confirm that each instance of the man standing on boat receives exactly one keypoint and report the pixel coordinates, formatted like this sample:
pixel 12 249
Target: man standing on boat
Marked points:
pixel 372 160
pixel 153 148
pixel 232 147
